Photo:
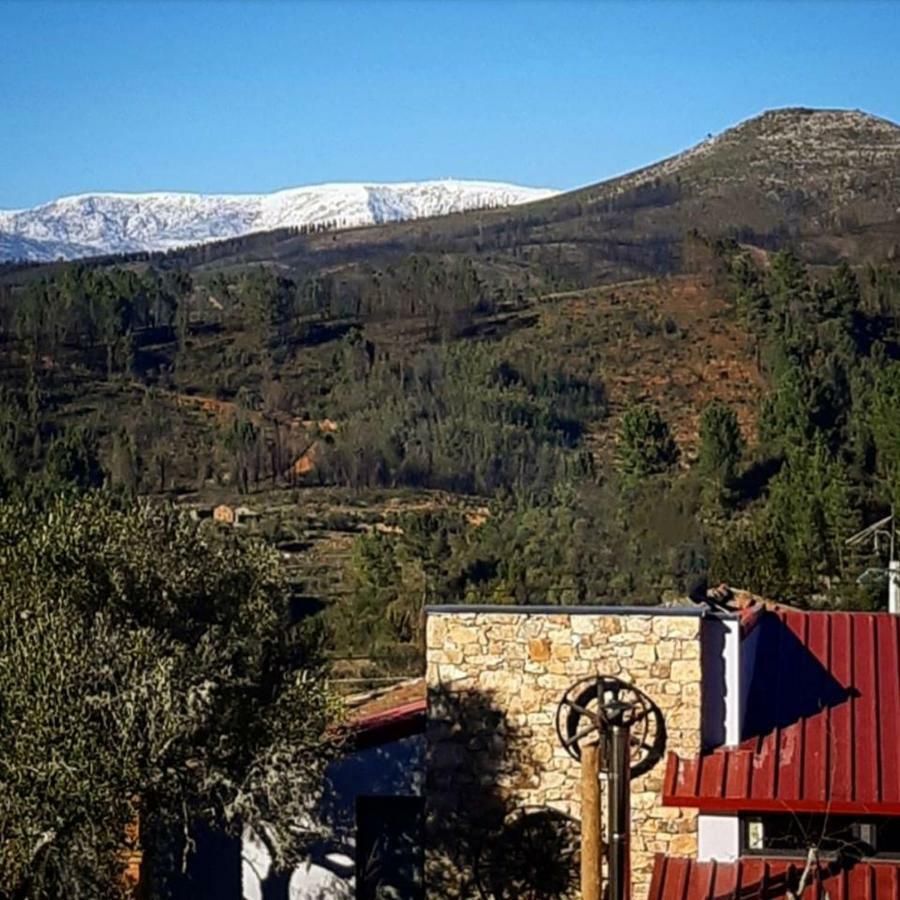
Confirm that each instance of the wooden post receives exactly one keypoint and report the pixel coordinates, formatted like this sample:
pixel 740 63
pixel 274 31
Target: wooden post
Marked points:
pixel 591 849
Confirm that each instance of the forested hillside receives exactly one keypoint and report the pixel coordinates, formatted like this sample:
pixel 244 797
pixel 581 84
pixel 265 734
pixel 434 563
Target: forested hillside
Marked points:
pixel 689 373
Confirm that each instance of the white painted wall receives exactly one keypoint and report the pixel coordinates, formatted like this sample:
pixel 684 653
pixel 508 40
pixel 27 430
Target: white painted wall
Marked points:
pixel 394 769
pixel 308 882
pixel 719 838
pixel 734 702
pixel 722 699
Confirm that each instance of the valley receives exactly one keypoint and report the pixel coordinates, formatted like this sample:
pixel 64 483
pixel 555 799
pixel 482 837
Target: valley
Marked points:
pixel 615 393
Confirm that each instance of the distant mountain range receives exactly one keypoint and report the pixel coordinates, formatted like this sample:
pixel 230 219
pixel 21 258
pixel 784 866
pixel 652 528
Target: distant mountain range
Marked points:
pixel 823 181
pixel 104 223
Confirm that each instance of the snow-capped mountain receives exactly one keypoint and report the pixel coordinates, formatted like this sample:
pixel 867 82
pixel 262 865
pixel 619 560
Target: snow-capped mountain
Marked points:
pixel 91 224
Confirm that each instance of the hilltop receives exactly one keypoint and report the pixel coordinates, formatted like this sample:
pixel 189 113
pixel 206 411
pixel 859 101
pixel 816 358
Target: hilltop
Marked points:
pixel 827 181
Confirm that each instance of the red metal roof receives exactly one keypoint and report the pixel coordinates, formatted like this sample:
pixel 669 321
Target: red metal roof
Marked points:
pixel 821 723
pixel 379 718
pixel 675 878
pixel 389 725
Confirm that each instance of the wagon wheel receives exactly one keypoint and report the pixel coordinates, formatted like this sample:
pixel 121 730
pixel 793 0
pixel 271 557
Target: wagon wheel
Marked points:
pixel 536 856
pixel 594 702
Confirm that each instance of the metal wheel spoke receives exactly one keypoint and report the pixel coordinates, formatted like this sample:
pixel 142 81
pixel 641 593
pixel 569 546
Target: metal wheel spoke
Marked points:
pixel 573 739
pixel 589 703
pixel 578 708
pixel 584 732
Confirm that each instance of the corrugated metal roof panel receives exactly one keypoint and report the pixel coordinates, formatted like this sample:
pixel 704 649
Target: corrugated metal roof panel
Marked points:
pixel 675 878
pixel 822 724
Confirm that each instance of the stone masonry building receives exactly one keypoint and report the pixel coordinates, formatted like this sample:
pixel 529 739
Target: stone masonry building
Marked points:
pixel 752 727
pixel 495 679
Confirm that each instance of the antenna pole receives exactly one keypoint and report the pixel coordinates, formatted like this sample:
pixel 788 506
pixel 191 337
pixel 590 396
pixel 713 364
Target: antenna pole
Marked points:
pixel 873 532
pixel 893 572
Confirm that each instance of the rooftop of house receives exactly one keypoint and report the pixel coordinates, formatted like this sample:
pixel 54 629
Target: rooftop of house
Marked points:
pixel 391 714
pixel 820 735
pixel 675 878
pixel 689 608
pixel 821 723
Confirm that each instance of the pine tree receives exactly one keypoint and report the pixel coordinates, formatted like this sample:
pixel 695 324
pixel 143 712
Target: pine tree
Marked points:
pixel 123 462
pixel 645 444
pixel 810 510
pixel 72 463
pixel 884 425
pixel 721 445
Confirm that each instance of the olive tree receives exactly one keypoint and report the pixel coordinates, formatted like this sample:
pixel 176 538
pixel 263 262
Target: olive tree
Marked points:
pixel 149 671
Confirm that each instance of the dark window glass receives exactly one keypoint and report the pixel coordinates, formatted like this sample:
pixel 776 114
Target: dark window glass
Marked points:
pixel 850 836
pixel 389 862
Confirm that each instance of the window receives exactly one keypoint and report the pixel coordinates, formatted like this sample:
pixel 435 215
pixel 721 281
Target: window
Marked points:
pixel 786 834
pixel 389 860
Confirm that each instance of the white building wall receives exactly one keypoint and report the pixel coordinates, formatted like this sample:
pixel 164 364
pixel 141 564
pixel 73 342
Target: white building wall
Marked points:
pixel 722 698
pixel 719 838
pixel 734 701
pixel 394 769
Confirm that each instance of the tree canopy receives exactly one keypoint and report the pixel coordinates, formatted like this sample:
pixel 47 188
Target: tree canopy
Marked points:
pixel 150 671
pixel 721 445
pixel 646 446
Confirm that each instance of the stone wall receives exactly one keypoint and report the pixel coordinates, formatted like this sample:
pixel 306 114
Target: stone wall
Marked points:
pixel 495 680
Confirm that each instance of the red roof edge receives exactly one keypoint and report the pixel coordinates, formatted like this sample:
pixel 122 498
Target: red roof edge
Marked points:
pixel 389 725
pixel 749 617
pixel 765 804
pixel 760 878
pixel 681 788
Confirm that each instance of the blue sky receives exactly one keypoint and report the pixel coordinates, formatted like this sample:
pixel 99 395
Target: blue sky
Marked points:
pixel 254 95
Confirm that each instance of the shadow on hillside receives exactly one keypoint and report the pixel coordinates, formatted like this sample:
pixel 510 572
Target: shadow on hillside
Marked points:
pixel 752 483
pixel 480 842
pixel 316 333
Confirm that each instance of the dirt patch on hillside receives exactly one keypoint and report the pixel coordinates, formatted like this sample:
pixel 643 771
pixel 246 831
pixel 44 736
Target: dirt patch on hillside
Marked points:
pixel 674 342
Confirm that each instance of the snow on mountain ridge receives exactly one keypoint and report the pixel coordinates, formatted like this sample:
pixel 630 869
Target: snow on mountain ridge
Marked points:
pixel 100 223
